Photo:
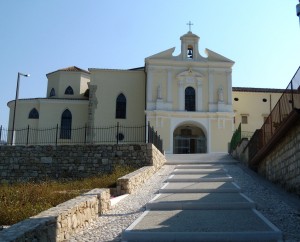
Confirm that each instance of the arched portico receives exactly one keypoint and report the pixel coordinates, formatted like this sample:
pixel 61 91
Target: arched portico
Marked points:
pixel 189 138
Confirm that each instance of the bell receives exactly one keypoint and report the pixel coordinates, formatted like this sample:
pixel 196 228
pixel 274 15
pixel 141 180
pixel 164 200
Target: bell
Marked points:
pixel 190 52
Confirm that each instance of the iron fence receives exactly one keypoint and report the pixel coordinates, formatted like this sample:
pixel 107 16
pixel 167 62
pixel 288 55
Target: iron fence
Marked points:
pixel 114 134
pixel 289 100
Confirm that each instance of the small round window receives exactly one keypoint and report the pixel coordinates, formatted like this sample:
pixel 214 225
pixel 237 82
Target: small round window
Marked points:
pixel 236 99
pixel 120 136
pixel 264 100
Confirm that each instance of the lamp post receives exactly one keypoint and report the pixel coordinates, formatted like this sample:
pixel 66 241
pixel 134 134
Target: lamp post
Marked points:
pixel 15 106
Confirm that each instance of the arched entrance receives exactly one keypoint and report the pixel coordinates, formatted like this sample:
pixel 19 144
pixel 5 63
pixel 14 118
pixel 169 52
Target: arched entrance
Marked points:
pixel 189 139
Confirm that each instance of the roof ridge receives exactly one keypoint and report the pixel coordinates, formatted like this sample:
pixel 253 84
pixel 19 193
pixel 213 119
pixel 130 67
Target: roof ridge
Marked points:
pixel 71 68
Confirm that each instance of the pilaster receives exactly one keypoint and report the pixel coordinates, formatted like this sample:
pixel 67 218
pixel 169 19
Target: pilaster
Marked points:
pixel 93 102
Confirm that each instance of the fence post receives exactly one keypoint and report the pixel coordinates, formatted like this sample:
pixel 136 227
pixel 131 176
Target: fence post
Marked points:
pixel 117 133
pixel 292 94
pixel 279 104
pixel 27 135
pixel 56 135
pixel 85 129
pixel 148 127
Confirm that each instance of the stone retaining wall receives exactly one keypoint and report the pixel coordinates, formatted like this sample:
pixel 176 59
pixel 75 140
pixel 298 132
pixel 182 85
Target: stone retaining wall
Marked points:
pixel 58 223
pixel 25 163
pixel 282 164
pixel 130 182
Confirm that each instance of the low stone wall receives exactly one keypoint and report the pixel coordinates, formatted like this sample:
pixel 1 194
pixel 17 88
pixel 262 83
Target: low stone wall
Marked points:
pixel 239 153
pixel 25 163
pixel 130 182
pixel 282 164
pixel 58 223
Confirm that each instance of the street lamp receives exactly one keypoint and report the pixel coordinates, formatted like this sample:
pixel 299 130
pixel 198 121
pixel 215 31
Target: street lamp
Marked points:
pixel 15 106
pixel 298 10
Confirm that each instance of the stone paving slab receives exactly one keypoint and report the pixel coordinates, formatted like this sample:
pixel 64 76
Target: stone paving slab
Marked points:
pixel 199 178
pixel 195 166
pixel 199 171
pixel 197 201
pixel 191 162
pixel 192 187
pixel 202 225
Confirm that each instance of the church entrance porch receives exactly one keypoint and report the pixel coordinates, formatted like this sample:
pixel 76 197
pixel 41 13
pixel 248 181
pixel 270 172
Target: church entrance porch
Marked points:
pixel 189 140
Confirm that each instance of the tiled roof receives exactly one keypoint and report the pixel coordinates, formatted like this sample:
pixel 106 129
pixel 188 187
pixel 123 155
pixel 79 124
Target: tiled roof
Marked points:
pixel 254 89
pixel 71 68
pixel 107 69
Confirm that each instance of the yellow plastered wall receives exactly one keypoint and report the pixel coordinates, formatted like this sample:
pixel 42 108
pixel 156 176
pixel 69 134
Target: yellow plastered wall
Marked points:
pixel 111 83
pixel 162 125
pixel 251 104
pixel 221 133
pixel 50 112
pixel 60 80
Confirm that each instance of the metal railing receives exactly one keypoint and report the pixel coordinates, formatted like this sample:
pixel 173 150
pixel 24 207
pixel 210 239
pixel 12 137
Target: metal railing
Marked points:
pixel 289 100
pixel 115 134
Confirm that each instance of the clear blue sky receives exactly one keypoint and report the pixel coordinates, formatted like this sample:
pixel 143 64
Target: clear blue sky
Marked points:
pixel 38 37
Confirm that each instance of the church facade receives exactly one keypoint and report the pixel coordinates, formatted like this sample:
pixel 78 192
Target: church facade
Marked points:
pixel 188 99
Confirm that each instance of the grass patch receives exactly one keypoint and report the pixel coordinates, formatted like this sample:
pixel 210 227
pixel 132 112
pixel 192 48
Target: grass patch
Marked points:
pixel 23 200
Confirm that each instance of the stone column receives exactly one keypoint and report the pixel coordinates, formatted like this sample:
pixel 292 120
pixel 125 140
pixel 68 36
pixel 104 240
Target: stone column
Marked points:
pixel 199 96
pixel 169 87
pixel 211 86
pixel 149 84
pixel 180 95
pixel 229 86
pixel 93 102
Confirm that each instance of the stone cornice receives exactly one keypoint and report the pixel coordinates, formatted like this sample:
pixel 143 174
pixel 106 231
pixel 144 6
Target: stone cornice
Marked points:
pixel 184 114
pixel 49 100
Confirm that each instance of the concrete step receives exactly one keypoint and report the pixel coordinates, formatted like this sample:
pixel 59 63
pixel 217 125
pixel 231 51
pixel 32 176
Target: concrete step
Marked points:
pixel 202 225
pixel 199 166
pixel 198 201
pixel 199 178
pixel 202 187
pixel 211 158
pixel 199 171
pixel 192 162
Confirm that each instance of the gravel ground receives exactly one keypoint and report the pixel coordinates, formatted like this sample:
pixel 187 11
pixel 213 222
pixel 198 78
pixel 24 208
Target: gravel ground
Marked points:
pixel 281 208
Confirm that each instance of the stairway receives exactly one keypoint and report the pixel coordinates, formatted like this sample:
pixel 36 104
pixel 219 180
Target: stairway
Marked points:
pixel 201 202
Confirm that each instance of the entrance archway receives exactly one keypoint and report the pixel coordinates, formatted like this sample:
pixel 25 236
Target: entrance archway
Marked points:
pixel 189 139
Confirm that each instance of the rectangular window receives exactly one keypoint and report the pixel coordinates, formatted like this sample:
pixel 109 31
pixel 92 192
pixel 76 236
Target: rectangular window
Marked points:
pixel 244 119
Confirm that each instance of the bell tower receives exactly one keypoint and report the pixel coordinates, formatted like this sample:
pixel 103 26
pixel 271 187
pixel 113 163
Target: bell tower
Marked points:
pixel 189 45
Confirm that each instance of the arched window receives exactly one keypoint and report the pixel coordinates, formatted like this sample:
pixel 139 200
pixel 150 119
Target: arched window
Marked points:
pixel 33 114
pixel 69 91
pixel 52 92
pixel 190 104
pixel 66 125
pixel 121 106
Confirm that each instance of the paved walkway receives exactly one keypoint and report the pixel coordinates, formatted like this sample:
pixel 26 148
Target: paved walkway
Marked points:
pixel 220 198
pixel 201 202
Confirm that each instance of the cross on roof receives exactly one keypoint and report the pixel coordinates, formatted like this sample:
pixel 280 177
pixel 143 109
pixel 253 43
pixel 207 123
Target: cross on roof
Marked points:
pixel 190 24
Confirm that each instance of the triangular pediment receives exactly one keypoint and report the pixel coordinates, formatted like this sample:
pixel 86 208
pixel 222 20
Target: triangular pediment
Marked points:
pixel 167 54
pixel 189 73
pixel 213 56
